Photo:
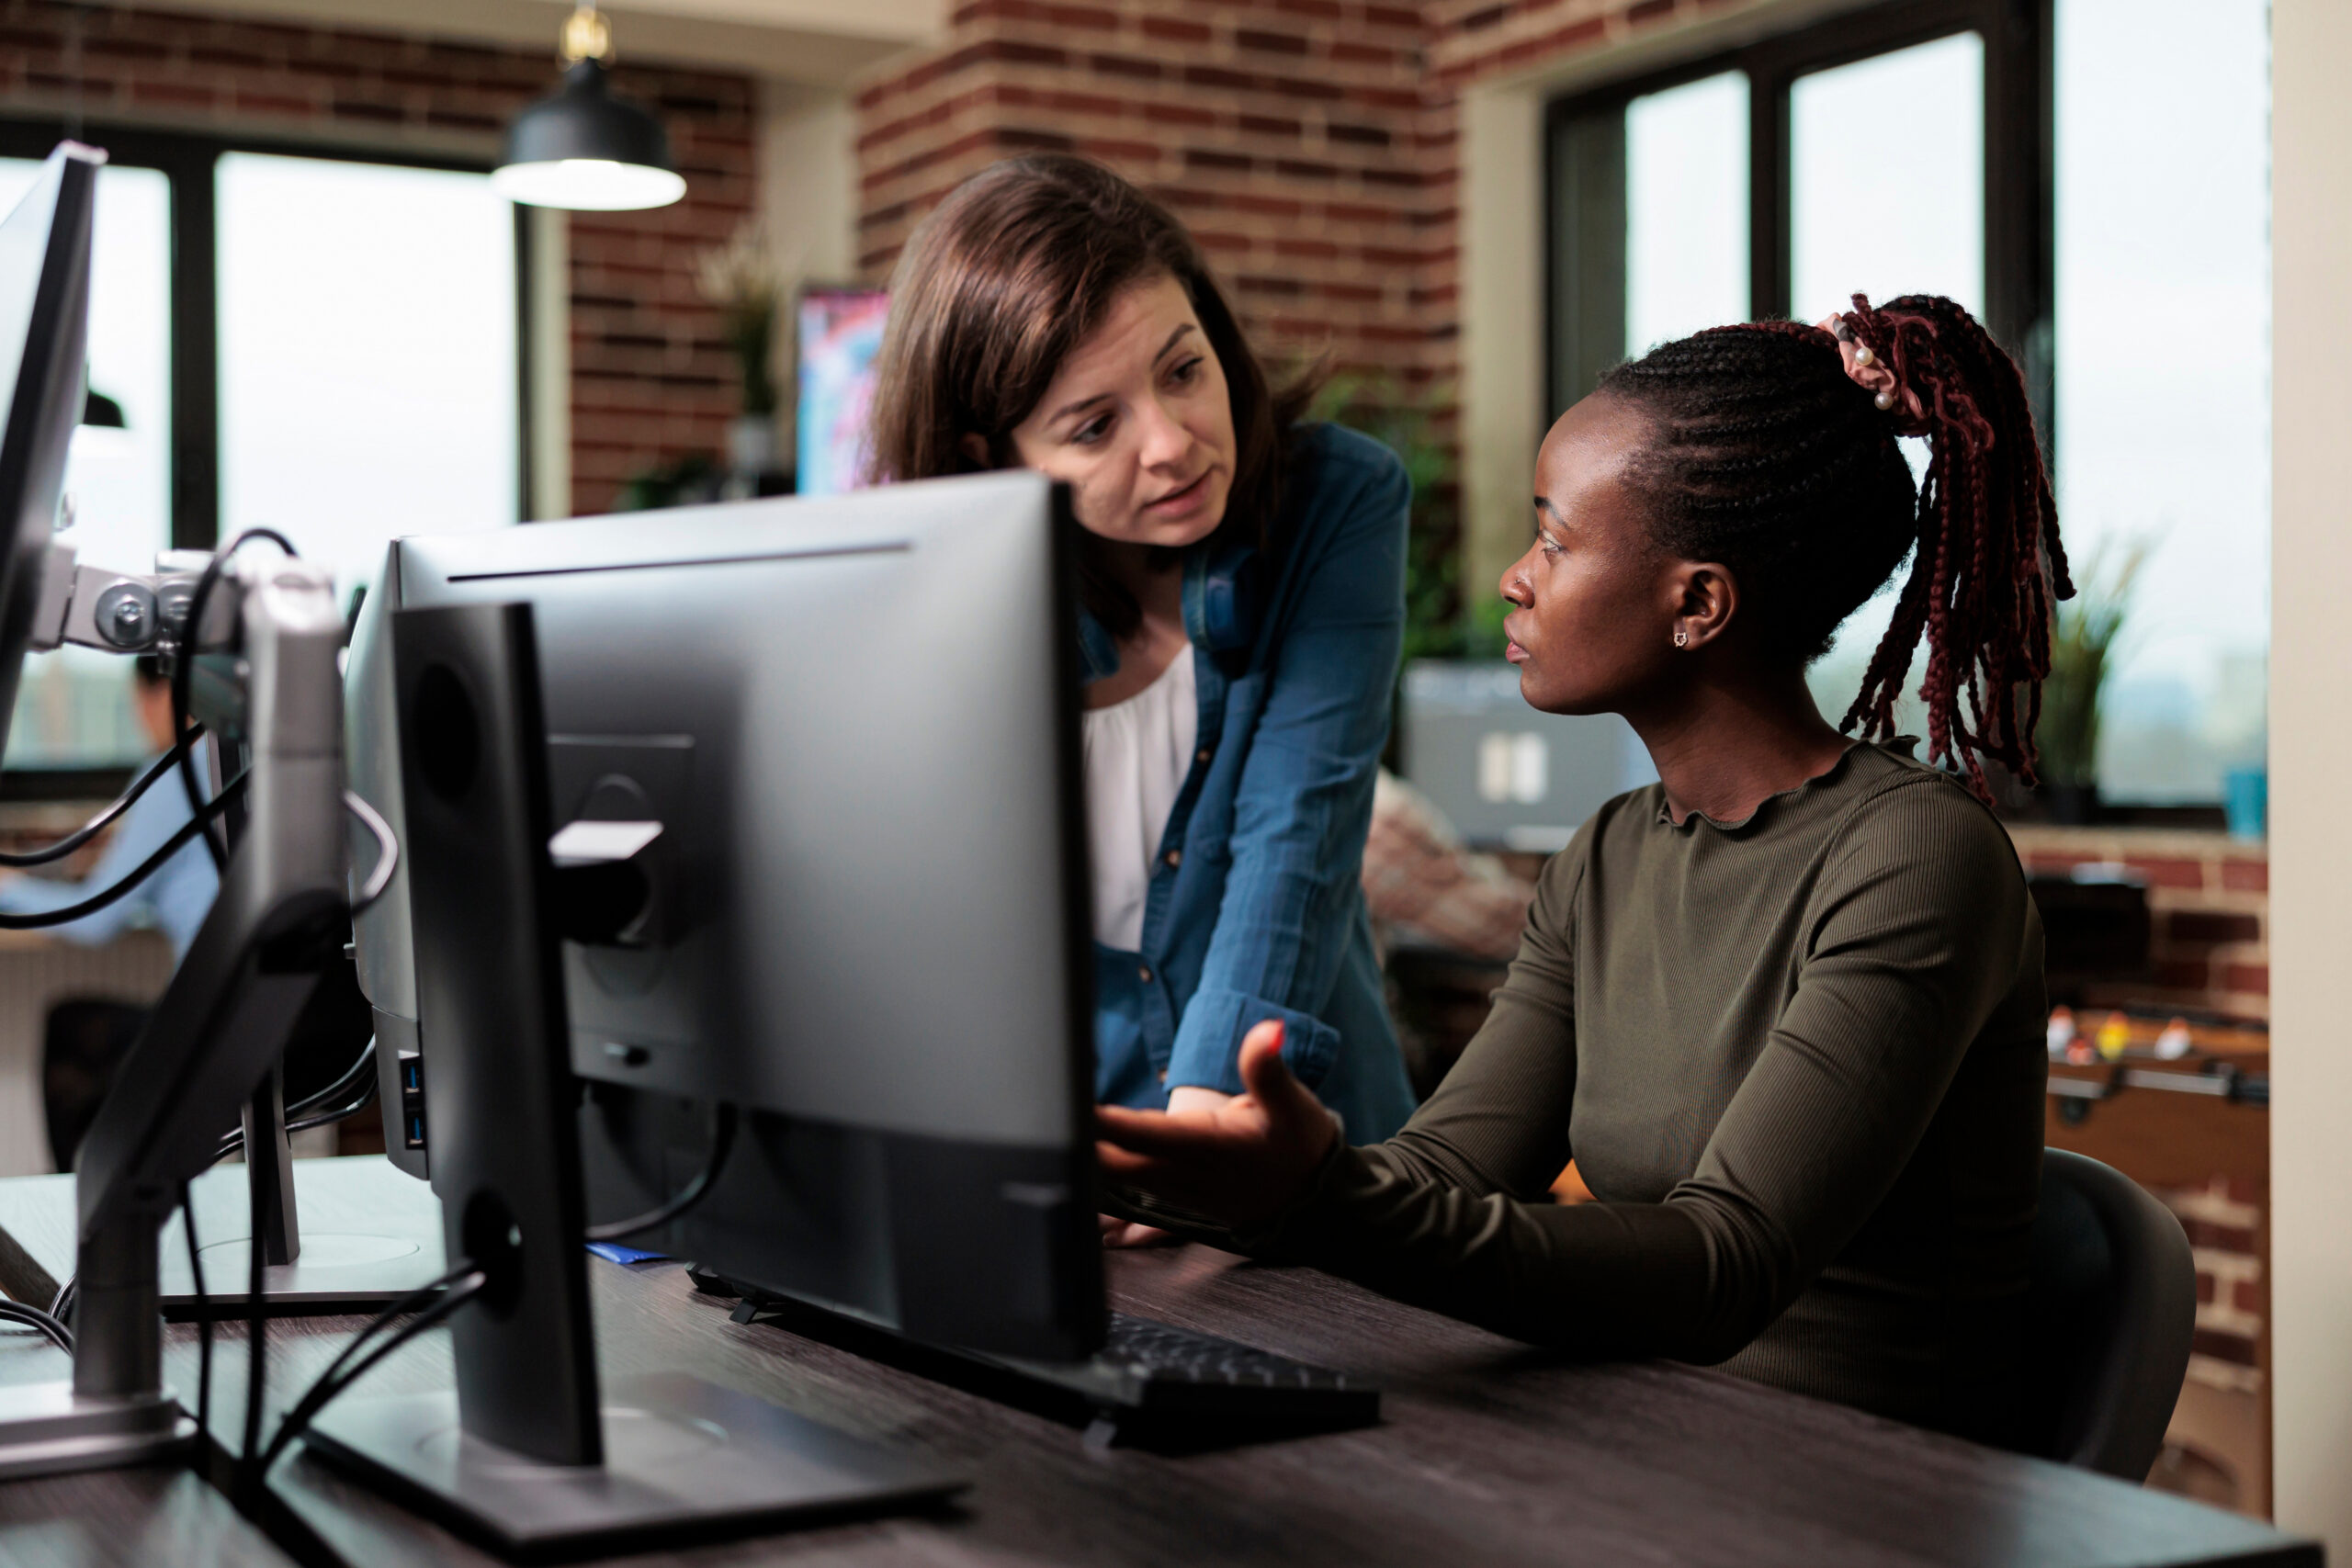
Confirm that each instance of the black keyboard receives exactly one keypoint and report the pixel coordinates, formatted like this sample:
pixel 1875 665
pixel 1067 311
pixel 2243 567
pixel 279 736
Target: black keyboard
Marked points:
pixel 1145 1374
pixel 1149 1369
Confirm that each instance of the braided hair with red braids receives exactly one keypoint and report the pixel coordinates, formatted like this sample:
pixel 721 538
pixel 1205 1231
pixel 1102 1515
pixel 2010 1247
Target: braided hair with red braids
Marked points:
pixel 1771 458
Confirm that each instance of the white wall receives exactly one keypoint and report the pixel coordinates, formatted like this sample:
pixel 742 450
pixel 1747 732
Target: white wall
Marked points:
pixel 807 175
pixel 2310 769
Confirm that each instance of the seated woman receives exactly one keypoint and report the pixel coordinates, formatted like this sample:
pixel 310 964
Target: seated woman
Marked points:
pixel 1241 608
pixel 1784 1006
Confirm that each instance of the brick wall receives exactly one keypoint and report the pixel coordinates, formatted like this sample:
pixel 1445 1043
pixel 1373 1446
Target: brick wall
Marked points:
pixel 650 376
pixel 1294 137
pixel 2209 900
pixel 1312 145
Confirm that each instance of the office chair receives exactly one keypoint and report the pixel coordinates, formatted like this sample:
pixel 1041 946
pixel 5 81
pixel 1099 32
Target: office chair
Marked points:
pixel 2110 1308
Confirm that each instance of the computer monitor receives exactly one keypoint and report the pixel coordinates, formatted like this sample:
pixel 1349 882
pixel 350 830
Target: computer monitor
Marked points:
pixel 854 720
pixel 44 333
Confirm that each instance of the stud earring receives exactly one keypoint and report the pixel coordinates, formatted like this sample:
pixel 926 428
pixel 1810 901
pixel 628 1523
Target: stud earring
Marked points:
pixel 1681 639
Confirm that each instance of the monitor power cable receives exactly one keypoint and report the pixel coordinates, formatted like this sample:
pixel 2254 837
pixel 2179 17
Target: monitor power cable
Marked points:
pixel 146 868
pixel 723 1141
pixel 107 819
pixel 349 1095
pixel 454 1289
pixel 47 1323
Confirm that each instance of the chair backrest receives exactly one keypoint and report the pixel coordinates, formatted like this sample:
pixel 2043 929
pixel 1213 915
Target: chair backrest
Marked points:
pixel 2110 1309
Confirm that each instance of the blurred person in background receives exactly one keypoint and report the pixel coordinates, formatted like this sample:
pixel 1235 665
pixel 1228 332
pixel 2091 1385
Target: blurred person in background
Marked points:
pixel 86 1038
pixel 177 893
pixel 1240 587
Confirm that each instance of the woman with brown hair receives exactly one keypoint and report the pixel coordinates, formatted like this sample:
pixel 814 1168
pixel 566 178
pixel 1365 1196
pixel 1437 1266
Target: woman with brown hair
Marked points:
pixel 1784 1006
pixel 1241 606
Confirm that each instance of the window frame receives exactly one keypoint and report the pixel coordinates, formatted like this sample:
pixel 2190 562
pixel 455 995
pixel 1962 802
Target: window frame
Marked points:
pixel 189 160
pixel 2019 184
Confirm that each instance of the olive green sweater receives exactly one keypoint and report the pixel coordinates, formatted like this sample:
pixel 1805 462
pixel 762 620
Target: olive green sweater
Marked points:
pixel 1798 1062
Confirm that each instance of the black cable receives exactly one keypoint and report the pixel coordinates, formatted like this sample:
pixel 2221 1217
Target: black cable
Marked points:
pixel 104 819
pixel 147 868
pixel 357 1084
pixel 33 1317
pixel 249 1475
pixel 190 631
pixel 203 1316
pixel 722 1139
pixel 462 1286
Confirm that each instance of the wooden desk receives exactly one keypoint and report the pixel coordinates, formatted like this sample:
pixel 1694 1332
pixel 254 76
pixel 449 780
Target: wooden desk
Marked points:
pixel 1488 1454
pixel 117 1519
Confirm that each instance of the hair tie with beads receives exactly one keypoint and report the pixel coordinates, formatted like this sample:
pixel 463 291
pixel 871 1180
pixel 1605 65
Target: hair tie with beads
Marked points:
pixel 1871 373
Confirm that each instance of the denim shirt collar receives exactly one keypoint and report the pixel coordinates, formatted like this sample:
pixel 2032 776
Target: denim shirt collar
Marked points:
pixel 1223 599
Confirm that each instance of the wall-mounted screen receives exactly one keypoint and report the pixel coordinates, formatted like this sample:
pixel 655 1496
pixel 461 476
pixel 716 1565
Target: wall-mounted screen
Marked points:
pixel 840 331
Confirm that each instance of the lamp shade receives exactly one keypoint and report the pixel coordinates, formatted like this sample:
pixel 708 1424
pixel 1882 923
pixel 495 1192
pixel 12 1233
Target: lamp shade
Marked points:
pixel 584 149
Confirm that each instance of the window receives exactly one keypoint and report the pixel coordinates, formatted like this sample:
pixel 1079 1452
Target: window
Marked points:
pixel 73 707
pixel 2091 179
pixel 2163 348
pixel 322 345
pixel 368 380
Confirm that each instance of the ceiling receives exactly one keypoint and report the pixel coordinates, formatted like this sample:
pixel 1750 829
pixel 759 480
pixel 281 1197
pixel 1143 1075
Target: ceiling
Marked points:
pixel 815 42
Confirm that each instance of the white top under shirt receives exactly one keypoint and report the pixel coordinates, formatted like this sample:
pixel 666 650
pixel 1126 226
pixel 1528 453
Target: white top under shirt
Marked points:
pixel 1138 755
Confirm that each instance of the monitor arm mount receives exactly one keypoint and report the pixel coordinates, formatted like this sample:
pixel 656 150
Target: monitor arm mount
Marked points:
pixel 266 683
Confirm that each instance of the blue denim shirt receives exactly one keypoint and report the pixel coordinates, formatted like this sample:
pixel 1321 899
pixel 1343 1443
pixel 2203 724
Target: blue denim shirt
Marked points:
pixel 1255 908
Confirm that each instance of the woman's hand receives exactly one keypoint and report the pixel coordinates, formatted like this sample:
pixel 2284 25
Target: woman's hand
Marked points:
pixel 1118 1233
pixel 1241 1161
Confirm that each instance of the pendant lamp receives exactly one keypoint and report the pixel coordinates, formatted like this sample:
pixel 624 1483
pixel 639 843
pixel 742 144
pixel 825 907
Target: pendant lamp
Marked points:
pixel 582 148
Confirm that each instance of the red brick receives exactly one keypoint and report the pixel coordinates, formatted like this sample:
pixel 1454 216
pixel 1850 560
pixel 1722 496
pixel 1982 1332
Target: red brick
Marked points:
pixel 2183 975
pixel 267 104
pixel 2246 876
pixel 1178 113
pixel 1111 150
pixel 1304 88
pixel 1269 42
pixel 172 95
pixel 1271 125
pixel 2210 926
pixel 2252 979
pixel 1175 29
pixel 2169 873
pixel 1125 65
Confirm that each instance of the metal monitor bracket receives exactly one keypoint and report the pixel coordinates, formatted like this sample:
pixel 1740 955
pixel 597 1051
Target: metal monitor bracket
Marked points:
pixel 268 645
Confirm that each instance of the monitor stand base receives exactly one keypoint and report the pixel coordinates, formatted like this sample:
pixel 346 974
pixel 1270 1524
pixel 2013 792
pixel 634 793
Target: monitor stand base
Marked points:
pixel 46 1429
pixel 682 1459
pixel 369 1235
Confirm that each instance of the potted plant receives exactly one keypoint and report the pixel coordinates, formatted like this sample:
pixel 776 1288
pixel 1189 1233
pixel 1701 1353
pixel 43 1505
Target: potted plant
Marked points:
pixel 2082 635
pixel 743 279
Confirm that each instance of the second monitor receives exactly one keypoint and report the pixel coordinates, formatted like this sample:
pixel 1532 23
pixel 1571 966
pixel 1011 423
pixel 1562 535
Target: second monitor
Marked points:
pixel 836 739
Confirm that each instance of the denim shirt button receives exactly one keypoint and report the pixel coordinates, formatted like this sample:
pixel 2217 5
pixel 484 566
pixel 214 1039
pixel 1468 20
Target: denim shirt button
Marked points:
pixel 1142 973
pixel 1175 857
pixel 1204 754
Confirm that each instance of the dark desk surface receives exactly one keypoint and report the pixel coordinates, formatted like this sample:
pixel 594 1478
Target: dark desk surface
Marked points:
pixel 117 1518
pixel 1489 1453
